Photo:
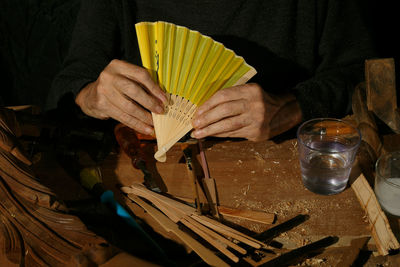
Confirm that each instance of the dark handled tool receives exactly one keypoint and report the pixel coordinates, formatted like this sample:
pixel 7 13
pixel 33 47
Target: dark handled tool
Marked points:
pixel 133 144
pixel 187 152
pixel 295 255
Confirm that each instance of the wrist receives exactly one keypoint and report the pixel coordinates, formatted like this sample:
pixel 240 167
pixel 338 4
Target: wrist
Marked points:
pixel 288 116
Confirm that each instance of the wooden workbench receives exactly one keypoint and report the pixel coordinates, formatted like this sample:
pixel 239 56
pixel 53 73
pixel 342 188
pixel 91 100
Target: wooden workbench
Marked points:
pixel 263 176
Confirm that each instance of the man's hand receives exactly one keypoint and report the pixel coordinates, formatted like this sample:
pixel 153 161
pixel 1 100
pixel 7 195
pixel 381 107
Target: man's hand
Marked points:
pixel 124 92
pixel 246 111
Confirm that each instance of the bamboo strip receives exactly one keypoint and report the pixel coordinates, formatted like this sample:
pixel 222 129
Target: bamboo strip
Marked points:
pixel 216 235
pixel 207 255
pixel 227 228
pixel 226 232
pixel 381 231
pixel 215 243
pixel 176 211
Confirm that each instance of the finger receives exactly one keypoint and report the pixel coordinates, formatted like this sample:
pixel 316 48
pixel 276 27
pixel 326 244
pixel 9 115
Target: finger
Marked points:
pixel 135 92
pixel 240 133
pixel 224 110
pixel 125 105
pixel 226 125
pixel 131 121
pixel 142 76
pixel 222 96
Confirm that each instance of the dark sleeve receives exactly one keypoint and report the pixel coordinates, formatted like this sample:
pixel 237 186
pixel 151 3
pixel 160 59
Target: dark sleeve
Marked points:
pixel 344 45
pixel 95 42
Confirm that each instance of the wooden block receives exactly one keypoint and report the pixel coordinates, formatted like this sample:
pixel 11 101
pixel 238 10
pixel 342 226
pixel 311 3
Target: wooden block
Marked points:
pixel 381 231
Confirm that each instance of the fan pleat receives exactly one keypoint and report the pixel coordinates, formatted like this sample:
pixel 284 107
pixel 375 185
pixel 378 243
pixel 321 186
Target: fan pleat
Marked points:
pixel 190 67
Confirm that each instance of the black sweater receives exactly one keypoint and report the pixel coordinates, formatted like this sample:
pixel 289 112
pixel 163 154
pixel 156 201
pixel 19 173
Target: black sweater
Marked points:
pixel 312 48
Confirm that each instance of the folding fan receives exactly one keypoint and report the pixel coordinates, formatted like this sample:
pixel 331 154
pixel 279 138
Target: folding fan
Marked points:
pixel 190 67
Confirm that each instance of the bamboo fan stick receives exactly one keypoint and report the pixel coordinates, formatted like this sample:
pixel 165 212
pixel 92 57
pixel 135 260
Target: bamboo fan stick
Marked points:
pixel 178 210
pixel 215 243
pixel 142 191
pixel 179 216
pixel 227 228
pixel 173 213
pixel 381 231
pixel 226 232
pixel 207 255
pixel 215 235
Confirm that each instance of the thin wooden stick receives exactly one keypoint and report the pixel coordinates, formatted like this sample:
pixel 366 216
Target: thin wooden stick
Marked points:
pixel 207 255
pixel 176 211
pixel 216 235
pixel 221 225
pixel 142 191
pixel 215 243
pixel 226 232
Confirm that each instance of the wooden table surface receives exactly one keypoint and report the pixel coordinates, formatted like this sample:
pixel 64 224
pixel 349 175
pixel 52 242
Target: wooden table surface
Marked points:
pixel 262 176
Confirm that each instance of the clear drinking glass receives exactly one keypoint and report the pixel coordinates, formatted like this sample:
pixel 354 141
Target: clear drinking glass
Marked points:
pixel 387 182
pixel 327 148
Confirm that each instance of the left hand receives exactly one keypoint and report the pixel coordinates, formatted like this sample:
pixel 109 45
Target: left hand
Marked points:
pixel 246 111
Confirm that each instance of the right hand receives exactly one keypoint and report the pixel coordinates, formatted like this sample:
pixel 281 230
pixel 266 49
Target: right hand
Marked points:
pixel 126 93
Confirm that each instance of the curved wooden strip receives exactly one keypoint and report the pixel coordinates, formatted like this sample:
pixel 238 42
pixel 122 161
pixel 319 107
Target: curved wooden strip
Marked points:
pixel 11 249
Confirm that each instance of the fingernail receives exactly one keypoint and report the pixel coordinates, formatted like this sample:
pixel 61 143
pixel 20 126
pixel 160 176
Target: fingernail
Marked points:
pixel 193 135
pixel 159 109
pixel 196 123
pixel 197 133
pixel 163 99
pixel 149 131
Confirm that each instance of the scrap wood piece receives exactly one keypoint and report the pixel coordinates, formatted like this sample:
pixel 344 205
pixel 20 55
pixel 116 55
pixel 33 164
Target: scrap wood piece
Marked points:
pixel 179 210
pixel 381 91
pixel 250 215
pixel 207 255
pixel 381 231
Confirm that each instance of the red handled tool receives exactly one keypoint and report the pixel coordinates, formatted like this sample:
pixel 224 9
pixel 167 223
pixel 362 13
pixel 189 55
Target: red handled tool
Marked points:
pixel 134 144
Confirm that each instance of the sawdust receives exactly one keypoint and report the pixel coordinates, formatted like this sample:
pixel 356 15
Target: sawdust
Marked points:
pixel 313 262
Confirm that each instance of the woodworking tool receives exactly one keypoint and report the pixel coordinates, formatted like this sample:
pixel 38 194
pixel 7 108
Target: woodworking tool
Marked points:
pixel 209 184
pixel 187 152
pixel 295 255
pixel 133 144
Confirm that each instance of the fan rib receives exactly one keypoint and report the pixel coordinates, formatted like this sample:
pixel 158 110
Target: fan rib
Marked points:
pixel 190 68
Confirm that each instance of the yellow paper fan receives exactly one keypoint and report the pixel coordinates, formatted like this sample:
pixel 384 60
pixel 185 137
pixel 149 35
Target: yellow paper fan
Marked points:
pixel 190 67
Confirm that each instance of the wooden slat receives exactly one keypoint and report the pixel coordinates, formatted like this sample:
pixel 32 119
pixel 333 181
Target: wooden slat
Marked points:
pixel 381 231
pixel 207 255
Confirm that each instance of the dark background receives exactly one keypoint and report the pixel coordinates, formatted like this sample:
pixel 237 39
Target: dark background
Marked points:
pixel 34 38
